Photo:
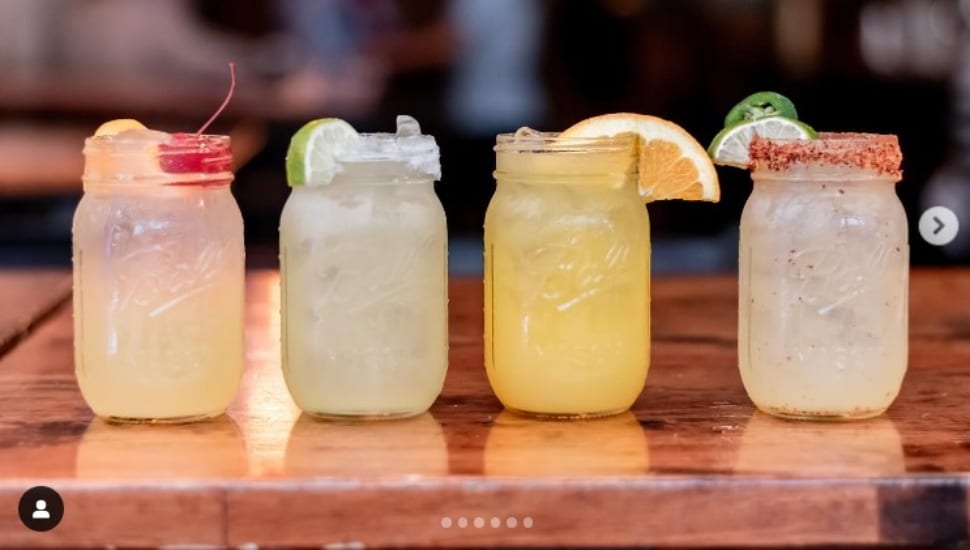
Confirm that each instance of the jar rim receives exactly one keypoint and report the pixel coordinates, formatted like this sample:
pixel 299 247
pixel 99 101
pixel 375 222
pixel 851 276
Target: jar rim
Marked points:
pixel 418 153
pixel 183 141
pixel 157 157
pixel 878 153
pixel 554 142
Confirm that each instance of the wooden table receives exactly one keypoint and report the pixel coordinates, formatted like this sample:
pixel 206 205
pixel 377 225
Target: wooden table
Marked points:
pixel 693 464
pixel 27 297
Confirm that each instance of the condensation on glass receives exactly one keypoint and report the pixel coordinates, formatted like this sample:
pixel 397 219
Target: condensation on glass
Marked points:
pixel 824 270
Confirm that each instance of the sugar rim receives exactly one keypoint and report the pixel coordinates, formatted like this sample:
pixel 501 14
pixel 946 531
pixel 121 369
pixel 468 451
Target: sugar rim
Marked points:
pixel 874 152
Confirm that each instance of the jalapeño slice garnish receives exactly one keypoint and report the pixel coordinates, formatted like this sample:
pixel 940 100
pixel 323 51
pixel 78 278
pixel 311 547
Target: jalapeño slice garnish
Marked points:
pixel 760 105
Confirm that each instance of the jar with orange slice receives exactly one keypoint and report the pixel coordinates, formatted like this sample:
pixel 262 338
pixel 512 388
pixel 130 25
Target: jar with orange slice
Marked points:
pixel 567 259
pixel 158 275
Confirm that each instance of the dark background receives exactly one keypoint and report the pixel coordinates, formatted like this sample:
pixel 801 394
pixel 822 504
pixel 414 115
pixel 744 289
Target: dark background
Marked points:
pixel 468 69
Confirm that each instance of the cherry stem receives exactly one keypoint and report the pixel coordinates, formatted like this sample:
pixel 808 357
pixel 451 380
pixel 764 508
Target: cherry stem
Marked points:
pixel 225 102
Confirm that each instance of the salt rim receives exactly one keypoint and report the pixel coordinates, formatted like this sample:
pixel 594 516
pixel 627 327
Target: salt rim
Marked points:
pixel 407 146
pixel 877 152
pixel 418 152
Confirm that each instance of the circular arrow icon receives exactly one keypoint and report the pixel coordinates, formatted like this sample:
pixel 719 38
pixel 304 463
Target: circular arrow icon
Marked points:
pixel 938 225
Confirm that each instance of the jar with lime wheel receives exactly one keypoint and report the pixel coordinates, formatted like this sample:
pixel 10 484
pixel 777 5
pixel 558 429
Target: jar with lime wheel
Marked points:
pixel 363 247
pixel 823 266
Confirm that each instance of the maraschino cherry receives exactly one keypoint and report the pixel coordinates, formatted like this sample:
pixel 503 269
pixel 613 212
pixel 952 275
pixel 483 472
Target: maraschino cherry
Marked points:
pixel 197 153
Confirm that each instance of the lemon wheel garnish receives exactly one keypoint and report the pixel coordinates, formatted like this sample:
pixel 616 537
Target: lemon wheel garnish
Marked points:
pixel 118 125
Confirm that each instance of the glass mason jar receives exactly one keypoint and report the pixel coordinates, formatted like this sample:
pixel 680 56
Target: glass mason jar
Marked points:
pixel 365 284
pixel 824 270
pixel 158 278
pixel 567 277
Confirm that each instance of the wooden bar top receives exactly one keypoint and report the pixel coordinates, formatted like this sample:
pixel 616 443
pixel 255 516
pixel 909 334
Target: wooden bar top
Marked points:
pixel 693 464
pixel 25 298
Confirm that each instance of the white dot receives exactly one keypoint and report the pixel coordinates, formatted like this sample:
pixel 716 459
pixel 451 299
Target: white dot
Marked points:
pixel 479 523
pixel 446 523
pixel 511 523
pixel 496 523
pixel 527 522
pixel 462 522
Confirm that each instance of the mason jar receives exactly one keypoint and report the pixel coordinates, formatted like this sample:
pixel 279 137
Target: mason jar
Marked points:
pixel 365 284
pixel 824 270
pixel 567 277
pixel 158 278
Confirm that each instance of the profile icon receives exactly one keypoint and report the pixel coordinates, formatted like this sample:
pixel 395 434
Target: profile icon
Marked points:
pixel 41 508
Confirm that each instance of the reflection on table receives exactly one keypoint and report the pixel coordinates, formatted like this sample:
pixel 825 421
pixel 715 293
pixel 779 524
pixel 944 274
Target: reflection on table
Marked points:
pixel 867 448
pixel 413 446
pixel 520 446
pixel 205 450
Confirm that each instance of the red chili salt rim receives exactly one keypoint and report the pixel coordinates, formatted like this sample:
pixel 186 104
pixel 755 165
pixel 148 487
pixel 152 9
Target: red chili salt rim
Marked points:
pixel 876 152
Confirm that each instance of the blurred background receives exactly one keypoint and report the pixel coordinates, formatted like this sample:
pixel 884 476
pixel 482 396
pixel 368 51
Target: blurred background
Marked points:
pixel 467 70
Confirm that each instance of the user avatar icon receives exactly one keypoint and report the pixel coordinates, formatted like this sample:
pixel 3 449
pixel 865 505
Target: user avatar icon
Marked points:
pixel 40 510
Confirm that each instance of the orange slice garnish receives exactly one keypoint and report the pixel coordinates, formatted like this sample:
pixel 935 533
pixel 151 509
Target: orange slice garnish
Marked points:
pixel 672 164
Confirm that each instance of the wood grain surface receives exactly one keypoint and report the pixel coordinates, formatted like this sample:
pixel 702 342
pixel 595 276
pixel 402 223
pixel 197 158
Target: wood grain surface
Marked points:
pixel 692 465
pixel 26 297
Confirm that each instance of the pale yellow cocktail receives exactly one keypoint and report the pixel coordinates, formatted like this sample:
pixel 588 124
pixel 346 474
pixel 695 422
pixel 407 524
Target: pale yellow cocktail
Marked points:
pixel 363 267
pixel 824 278
pixel 158 277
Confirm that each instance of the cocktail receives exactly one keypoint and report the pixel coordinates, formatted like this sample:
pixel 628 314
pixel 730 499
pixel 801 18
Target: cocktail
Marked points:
pixel 823 269
pixel 567 260
pixel 158 276
pixel 363 252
